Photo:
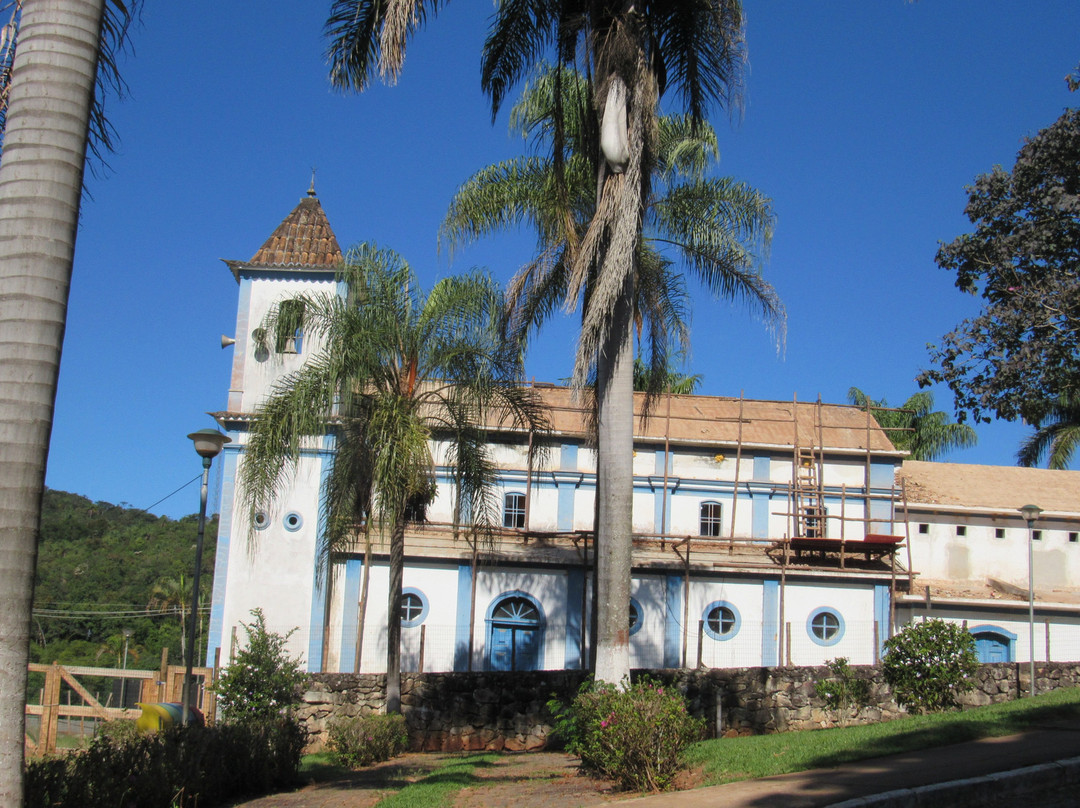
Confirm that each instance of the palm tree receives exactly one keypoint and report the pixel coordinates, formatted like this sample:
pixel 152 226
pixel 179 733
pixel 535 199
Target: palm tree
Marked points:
pixel 632 53
pixel 1055 437
pixel 172 595
pixel 917 428
pixel 40 189
pixel 394 369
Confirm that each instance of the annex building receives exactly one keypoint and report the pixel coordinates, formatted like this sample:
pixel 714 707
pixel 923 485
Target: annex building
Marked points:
pixel 765 532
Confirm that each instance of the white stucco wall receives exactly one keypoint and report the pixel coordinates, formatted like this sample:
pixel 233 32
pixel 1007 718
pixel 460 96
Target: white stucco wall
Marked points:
pixel 854 604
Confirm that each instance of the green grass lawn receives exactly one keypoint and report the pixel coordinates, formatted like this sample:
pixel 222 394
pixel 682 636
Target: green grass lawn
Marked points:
pixel 729 759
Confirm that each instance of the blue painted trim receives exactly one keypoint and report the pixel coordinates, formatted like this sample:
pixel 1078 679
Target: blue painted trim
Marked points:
pixel 230 456
pixel 762 464
pixel 759 527
pixel 575 590
pixel 770 622
pixel 658 466
pixel 568 457
pixel 541 625
pixel 839 635
pixel 565 516
pixel 461 631
pixel 721 604
pixel 881 618
pixel 350 619
pixel 673 621
pixel 319 581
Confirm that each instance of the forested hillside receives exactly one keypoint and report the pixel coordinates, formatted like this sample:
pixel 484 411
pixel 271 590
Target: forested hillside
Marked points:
pixel 104 569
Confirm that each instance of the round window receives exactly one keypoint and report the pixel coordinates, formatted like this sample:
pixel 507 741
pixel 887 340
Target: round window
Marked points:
pixel 261 520
pixel 293 521
pixel 413 607
pixel 722 620
pixel 635 616
pixel 825 626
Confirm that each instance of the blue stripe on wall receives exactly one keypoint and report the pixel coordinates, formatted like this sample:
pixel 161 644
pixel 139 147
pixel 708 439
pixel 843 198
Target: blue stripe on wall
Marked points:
pixel 673 620
pixel 350 619
pixel 770 622
pixel 881 617
pixel 761 467
pixel 575 589
pixel 221 556
pixel 760 526
pixel 461 632
pixel 568 457
pixel 319 581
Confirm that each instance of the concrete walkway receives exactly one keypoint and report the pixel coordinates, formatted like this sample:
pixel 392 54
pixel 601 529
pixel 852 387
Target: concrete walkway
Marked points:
pixel 824 787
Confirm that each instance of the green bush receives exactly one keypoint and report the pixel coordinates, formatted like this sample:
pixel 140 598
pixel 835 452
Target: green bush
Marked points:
pixel 182 766
pixel 634 735
pixel 928 664
pixel 844 690
pixel 262 682
pixel 361 741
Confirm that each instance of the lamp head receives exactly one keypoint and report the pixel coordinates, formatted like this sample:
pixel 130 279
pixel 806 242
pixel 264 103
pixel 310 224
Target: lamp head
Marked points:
pixel 1030 513
pixel 208 442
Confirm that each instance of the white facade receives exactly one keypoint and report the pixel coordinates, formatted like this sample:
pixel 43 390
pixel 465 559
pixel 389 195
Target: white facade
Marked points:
pixel 717 493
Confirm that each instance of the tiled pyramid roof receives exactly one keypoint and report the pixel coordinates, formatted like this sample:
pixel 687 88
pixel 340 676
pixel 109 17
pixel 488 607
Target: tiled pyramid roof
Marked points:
pixel 303 238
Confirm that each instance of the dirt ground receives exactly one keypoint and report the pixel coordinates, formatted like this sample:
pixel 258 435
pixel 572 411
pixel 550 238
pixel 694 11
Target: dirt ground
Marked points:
pixel 524 780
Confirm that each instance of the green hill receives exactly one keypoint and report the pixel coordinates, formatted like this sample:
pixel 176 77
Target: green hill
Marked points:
pixel 103 569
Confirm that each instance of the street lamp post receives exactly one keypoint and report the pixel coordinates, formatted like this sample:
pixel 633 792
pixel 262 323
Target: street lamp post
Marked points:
pixel 208 443
pixel 123 680
pixel 1030 514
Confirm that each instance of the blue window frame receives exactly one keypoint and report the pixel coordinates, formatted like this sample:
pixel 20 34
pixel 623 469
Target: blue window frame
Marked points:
pixel 825 626
pixel 722 620
pixel 293 521
pixel 515 632
pixel 414 607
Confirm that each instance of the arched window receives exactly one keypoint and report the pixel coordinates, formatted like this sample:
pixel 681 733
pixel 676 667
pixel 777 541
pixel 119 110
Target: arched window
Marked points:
pixel 721 620
pixel 710 518
pixel 514 510
pixel 825 626
pixel 515 633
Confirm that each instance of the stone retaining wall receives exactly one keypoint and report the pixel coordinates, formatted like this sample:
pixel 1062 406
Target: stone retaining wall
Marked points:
pixel 507 711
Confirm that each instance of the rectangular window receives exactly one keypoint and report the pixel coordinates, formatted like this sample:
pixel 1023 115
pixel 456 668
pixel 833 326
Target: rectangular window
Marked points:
pixel 1074 537
pixel 710 518
pixel 999 533
pixel 1036 535
pixel 961 530
pixel 514 511
pixel 923 527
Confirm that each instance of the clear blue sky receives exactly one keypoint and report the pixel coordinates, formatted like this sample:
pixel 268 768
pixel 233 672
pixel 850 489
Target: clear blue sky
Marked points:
pixel 863 121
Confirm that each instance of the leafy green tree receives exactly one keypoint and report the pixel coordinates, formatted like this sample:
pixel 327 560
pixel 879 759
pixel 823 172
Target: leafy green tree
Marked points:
pixel 1021 354
pixel 928 663
pixel 262 682
pixel 394 369
pixel 1056 436
pixel 916 427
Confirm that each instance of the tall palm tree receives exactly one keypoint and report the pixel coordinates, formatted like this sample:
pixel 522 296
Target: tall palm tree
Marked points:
pixel 394 370
pixel 40 188
pixel 632 52
pixel 1055 437
pixel 172 595
pixel 916 427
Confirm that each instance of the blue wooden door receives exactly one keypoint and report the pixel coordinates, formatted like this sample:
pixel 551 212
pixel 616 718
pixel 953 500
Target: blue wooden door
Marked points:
pixel 514 638
pixel 991 648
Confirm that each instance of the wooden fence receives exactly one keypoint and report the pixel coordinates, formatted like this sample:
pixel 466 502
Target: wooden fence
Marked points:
pixel 165 684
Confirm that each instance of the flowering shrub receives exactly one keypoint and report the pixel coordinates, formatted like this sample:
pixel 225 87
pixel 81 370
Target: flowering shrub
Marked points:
pixel 262 682
pixel 928 664
pixel 844 690
pixel 634 735
pixel 356 742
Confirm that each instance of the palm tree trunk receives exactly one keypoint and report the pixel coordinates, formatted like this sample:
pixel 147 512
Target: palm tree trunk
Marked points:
pixel 615 469
pixel 40 190
pixel 393 617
